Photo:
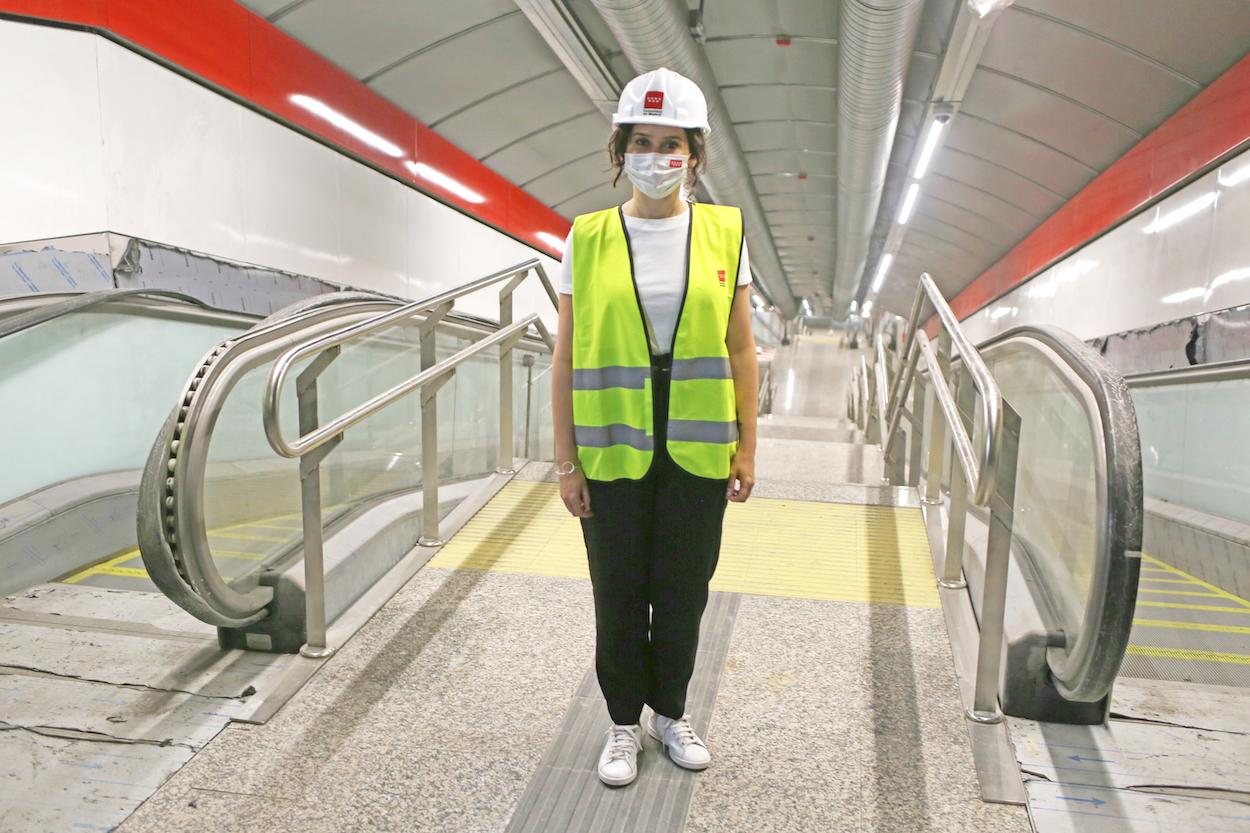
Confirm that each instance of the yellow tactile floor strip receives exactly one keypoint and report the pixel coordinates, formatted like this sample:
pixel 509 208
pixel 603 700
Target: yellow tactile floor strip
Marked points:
pixel 771 547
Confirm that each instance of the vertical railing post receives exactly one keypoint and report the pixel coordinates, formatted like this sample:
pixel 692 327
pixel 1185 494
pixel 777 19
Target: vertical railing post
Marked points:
pixel 505 380
pixel 429 429
pixel 528 361
pixel 914 433
pixel 957 519
pixel 310 508
pixel 997 560
pixel 937 431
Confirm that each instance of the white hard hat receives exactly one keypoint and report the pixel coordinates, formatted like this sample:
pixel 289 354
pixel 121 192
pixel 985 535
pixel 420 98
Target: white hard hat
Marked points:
pixel 662 96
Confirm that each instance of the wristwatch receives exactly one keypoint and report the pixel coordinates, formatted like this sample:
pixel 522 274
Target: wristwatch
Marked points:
pixel 566 468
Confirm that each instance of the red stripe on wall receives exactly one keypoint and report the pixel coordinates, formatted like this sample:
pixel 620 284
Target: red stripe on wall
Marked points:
pixel 1213 124
pixel 227 45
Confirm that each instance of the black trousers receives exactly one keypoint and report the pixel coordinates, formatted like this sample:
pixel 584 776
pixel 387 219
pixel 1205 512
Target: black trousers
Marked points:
pixel 653 545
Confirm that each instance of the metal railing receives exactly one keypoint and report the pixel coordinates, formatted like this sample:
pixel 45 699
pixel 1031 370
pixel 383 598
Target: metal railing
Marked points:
pixel 316 441
pixel 984 472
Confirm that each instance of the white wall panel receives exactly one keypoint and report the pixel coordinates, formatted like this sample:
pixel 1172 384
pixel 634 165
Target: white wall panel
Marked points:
pixel 1229 283
pixel 373 228
pixel 172 151
pixel 1194 259
pixel 434 250
pixel 51 158
pixel 290 188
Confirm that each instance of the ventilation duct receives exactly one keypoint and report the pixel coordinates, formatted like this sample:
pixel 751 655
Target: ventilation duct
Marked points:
pixel 654 33
pixel 875 40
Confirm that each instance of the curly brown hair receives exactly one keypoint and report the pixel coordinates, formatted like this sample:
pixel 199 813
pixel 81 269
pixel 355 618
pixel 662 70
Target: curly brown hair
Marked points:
pixel 696 139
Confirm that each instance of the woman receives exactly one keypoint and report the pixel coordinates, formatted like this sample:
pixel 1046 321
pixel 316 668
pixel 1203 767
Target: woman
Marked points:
pixel 654 400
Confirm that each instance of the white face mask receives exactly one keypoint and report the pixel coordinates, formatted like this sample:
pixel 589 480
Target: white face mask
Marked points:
pixel 656 174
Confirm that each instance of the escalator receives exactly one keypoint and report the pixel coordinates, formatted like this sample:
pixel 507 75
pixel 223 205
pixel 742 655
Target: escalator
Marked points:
pixel 115 664
pixel 82 378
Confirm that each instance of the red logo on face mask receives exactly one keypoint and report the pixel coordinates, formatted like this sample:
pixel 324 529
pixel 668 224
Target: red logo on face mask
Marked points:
pixel 674 163
pixel 720 276
pixel 653 103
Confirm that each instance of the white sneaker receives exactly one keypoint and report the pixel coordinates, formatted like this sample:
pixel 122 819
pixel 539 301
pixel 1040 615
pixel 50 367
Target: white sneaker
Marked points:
pixel 684 747
pixel 618 763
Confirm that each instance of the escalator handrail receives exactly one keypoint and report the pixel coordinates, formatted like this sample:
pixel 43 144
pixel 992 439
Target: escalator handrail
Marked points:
pixel 86 300
pixel 320 436
pixel 1087 671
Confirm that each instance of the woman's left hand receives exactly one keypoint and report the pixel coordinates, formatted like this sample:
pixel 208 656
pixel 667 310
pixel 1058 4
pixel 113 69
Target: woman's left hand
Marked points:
pixel 741 477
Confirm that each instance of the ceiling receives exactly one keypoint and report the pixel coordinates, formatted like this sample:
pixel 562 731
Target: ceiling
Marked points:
pixel 1063 88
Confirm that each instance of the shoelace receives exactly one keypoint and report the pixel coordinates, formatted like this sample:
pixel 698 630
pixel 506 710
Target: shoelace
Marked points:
pixel 621 744
pixel 684 732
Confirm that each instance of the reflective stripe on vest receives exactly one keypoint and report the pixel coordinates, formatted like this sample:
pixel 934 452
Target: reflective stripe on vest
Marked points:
pixel 612 403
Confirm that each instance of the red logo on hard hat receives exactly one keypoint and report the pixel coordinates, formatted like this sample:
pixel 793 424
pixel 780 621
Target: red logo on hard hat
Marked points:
pixel 674 163
pixel 653 103
pixel 720 276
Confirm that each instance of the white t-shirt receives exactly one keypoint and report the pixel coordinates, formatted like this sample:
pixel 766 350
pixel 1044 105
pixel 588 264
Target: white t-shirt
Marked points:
pixel 659 250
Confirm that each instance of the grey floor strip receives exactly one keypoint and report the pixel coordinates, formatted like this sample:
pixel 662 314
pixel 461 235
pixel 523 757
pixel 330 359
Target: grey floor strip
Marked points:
pixel 565 794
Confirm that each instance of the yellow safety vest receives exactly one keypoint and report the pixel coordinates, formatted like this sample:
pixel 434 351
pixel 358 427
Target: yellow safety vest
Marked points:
pixel 612 419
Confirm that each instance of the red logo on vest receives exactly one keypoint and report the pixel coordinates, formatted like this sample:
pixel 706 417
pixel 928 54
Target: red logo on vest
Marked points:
pixel 720 276
pixel 653 103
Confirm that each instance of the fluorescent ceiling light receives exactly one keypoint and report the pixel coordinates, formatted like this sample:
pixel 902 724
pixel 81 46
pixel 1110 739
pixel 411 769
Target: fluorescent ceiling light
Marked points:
pixel 986 7
pixel 909 202
pixel 1237 177
pixel 854 305
pixel 444 181
pixel 551 240
pixel 882 268
pixel 1002 311
pixel 867 307
pixel 348 125
pixel 930 145
pixel 1178 215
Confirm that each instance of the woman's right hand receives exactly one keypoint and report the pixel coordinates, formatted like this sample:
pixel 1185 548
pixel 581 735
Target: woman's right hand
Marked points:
pixel 576 494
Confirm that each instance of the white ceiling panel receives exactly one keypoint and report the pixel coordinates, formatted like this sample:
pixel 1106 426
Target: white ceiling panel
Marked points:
pixel 566 182
pixel 467 69
pixel 598 197
pixel 1097 72
pixel 987 227
pixel 797 202
pixel 1197 38
pixel 774 161
pixel 1061 123
pixel 771 135
pixel 984 203
pixel 761 60
pixel 814 18
pixel 363 36
pixel 972 243
pixel 1013 187
pixel 492 123
pixel 756 103
pixel 1018 152
pixel 552 147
